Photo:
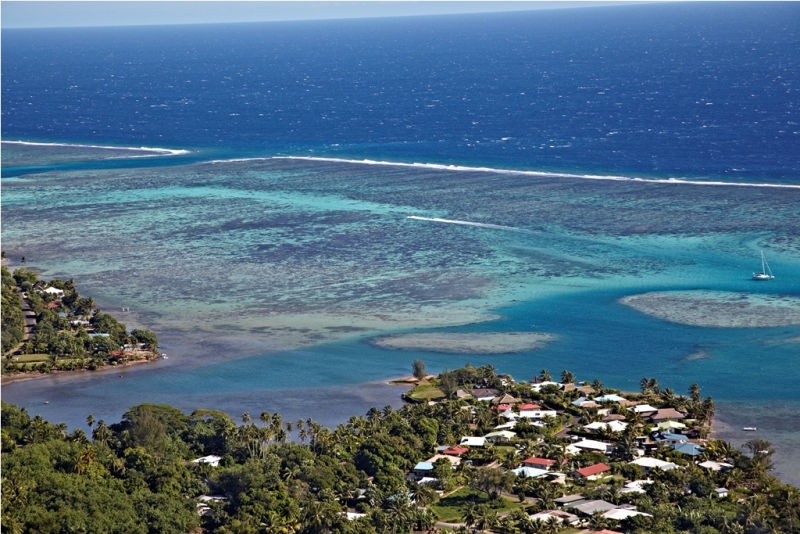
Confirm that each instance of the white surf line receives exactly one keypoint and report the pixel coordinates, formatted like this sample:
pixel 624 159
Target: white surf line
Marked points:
pixel 437 166
pixel 468 223
pixel 161 151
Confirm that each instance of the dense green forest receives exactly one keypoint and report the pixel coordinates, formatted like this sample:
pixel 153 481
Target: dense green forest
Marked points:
pixel 70 332
pixel 275 476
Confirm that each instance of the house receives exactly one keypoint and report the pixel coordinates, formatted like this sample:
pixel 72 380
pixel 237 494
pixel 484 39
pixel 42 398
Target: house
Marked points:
pixel 644 409
pixel 471 441
pixel 528 406
pixel 485 394
pixel 504 399
pixel 613 426
pixel 590 445
pixel 211 460
pixel 590 507
pixel 635 486
pixel 721 492
pixel 529 472
pixel 593 472
pixel 457 450
pixel 691 449
pixel 53 305
pixel 352 516
pixel 648 464
pixel 671 439
pixel 583 402
pixel 529 414
pixel 54 291
pixel 423 469
pixel 670 425
pixel 500 435
pixel 539 463
pixel 715 466
pixel 99 335
pixel 665 414
pixel 567 500
pixel 620 514
pixel 561 517
pixel 613 417
pixel 461 394
pixel 506 426
pixel 502 407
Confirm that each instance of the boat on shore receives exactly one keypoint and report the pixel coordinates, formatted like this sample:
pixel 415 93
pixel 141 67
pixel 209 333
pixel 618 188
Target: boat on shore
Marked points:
pixel 749 429
pixel 766 272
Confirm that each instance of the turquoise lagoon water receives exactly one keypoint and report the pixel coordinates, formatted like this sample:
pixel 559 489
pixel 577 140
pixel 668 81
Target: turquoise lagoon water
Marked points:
pixel 264 277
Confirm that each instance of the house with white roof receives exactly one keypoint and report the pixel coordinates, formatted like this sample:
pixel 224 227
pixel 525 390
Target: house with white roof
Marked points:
pixel 715 466
pixel 472 441
pixel 529 414
pixel 561 517
pixel 644 408
pixel 211 460
pixel 648 464
pixel 538 386
pixel 529 472
pixel 54 291
pixel 500 435
pixel 621 514
pixel 609 398
pixel 613 426
pixel 589 445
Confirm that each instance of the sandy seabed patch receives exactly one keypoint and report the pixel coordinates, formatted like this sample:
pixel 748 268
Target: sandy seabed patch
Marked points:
pixel 718 308
pixel 467 343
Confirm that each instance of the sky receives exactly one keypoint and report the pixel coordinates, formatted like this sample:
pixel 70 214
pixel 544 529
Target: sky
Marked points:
pixel 54 14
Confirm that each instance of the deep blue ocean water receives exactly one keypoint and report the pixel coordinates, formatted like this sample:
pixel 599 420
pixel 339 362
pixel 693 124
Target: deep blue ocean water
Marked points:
pixel 212 256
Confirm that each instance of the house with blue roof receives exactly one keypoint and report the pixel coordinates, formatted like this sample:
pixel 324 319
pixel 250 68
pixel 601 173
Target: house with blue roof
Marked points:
pixel 692 449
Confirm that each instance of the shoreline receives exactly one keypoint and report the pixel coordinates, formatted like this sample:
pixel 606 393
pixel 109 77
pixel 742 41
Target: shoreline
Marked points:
pixel 26 376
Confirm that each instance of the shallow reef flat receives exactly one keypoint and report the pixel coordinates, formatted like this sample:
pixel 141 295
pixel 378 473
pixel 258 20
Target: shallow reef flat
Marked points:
pixel 466 343
pixel 721 309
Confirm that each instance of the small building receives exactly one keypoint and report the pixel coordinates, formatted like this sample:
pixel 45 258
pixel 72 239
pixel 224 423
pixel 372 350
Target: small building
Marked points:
pixel 500 435
pixel 721 492
pixel 567 500
pixel 472 441
pixel 612 426
pixel 620 514
pixel 54 291
pixel 590 507
pixel 644 409
pixel 667 414
pixel 593 472
pixel 529 472
pixel 211 460
pixel 690 449
pixel 715 466
pixel 561 517
pixel 590 445
pixel 457 450
pixel 635 486
pixel 648 464
pixel 539 463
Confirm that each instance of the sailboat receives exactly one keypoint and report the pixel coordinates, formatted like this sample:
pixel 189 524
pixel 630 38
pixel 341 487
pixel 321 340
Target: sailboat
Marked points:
pixel 766 272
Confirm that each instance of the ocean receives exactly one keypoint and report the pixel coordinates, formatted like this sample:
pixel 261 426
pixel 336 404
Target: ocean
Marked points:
pixel 607 175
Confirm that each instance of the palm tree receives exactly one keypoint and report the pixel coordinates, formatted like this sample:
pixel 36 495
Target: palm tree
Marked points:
pixel 653 385
pixel 470 514
pixel 567 377
pixel 644 384
pixel 546 376
pixel 265 418
pixel 597 385
pixel 246 417
pixel 694 392
pixel 90 420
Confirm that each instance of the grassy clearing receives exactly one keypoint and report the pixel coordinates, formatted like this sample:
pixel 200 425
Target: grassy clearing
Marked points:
pixel 426 393
pixel 451 508
pixel 35 358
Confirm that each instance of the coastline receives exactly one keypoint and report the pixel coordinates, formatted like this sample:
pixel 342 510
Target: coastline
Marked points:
pixel 26 376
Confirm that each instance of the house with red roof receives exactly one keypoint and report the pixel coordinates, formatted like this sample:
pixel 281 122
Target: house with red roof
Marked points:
pixel 593 472
pixel 458 450
pixel 529 406
pixel 540 463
